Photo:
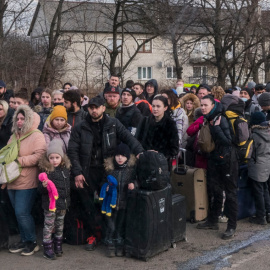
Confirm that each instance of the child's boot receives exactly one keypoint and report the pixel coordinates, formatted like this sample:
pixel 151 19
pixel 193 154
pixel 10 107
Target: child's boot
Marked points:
pixel 110 248
pixel 58 246
pixel 48 250
pixel 120 247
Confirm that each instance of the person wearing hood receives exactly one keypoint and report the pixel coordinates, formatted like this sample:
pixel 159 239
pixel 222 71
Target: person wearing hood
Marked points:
pixel 150 90
pixel 35 97
pixel 190 103
pixel 72 101
pixel 259 167
pixel 222 167
pixel 246 95
pixel 22 191
pixel 128 113
pixel 264 102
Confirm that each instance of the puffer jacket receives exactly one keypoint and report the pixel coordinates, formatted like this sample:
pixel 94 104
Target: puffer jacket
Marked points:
pixel 124 176
pixel 259 164
pixel 81 143
pixel 60 177
pixel 31 149
pixel 50 133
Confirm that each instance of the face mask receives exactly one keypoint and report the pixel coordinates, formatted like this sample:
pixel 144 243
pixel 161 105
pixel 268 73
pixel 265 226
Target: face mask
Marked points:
pixel 60 103
pixel 244 99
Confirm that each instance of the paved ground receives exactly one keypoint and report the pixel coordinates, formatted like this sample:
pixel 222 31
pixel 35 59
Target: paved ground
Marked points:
pixel 203 250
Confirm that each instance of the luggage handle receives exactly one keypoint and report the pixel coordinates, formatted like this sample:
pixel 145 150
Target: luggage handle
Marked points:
pixel 183 169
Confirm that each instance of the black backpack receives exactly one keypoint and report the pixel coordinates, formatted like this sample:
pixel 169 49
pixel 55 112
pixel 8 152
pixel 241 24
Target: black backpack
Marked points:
pixel 152 171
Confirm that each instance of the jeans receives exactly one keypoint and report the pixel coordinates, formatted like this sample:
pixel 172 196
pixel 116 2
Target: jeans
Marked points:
pixel 22 202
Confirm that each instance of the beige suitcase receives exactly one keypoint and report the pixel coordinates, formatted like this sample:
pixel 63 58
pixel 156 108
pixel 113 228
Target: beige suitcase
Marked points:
pixel 191 182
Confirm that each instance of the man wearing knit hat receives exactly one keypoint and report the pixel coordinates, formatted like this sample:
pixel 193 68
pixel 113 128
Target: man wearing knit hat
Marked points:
pixel 128 113
pixel 264 102
pixel 92 141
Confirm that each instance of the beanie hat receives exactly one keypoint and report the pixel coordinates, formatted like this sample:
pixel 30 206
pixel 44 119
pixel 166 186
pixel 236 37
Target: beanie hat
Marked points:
pixel 55 147
pixel 131 91
pixel 58 111
pixel 257 118
pixel 249 91
pixel 123 150
pixel 251 85
pixel 264 99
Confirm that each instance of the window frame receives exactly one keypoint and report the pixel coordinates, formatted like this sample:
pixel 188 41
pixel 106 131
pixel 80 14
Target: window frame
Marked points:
pixel 142 49
pixel 144 78
pixel 173 72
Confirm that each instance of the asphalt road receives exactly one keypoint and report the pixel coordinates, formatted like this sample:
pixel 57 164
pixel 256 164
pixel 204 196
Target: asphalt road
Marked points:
pixel 203 250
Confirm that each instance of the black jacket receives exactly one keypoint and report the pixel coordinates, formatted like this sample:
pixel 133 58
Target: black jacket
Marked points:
pixel 221 134
pixel 77 117
pixel 5 129
pixel 61 179
pixel 81 143
pixel 161 136
pixel 154 82
pixel 129 116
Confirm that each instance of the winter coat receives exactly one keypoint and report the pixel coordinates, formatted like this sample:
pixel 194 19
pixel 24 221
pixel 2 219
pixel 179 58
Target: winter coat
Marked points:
pixel 129 116
pixel 143 105
pixel 81 143
pixel 43 113
pixel 196 104
pixel 161 136
pixel 5 128
pixel 259 164
pixel 221 134
pixel 50 133
pixel 31 149
pixel 60 177
pixel 75 118
pixel 181 120
pixel 154 82
pixel 124 176
pixel 250 108
pixel 111 111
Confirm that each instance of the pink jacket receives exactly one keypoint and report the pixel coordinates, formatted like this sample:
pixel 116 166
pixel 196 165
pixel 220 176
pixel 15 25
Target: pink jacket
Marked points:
pixel 50 133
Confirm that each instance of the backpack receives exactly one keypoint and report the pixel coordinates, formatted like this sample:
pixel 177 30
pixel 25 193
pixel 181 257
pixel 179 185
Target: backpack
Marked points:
pixel 10 168
pixel 152 171
pixel 205 141
pixel 241 136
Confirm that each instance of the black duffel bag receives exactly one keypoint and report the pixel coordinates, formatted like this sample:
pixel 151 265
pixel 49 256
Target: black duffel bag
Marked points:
pixel 152 171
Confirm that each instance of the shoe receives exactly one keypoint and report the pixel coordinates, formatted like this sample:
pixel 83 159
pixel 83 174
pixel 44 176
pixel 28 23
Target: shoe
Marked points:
pixel 17 247
pixel 119 247
pixel 110 248
pixel 229 233
pixel 207 225
pixel 256 220
pixel 48 252
pixel 268 217
pixel 30 248
pixel 222 219
pixel 91 243
pixel 57 241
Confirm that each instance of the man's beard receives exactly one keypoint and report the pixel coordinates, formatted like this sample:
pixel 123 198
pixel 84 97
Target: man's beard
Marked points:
pixel 113 104
pixel 96 116
pixel 71 109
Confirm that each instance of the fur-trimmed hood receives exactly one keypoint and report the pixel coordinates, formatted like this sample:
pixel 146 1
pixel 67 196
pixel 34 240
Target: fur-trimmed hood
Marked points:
pixel 109 166
pixel 193 98
pixel 31 121
pixel 46 166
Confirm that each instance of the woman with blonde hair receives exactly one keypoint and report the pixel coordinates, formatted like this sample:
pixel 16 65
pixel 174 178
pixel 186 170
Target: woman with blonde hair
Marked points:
pixel 190 103
pixel 218 92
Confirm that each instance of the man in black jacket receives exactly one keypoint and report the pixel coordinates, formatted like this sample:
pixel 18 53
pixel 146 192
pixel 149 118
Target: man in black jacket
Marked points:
pixel 93 140
pixel 128 113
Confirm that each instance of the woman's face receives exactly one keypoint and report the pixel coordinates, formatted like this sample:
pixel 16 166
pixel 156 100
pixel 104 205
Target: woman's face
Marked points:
pixel 20 121
pixel 189 105
pixel 58 123
pixel 2 112
pixel 158 108
pixel 206 106
pixel 46 100
pixel 166 96
pixel 37 96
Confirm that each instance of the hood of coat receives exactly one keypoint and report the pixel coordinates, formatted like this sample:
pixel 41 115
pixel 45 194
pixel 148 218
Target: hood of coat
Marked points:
pixel 31 120
pixel 109 166
pixel 155 84
pixel 46 166
pixel 193 98
pixel 262 131
pixel 48 128
pixel 233 103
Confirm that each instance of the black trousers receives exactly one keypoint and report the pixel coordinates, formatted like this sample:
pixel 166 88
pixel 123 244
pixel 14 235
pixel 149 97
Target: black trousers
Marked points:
pixel 261 197
pixel 223 177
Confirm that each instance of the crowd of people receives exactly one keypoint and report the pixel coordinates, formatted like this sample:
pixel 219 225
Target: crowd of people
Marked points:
pixel 81 144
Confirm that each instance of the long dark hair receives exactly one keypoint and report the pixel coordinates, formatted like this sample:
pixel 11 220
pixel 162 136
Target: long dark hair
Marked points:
pixel 172 97
pixel 164 100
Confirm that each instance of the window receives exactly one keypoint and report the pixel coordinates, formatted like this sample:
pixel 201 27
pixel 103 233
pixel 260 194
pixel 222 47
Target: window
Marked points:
pixel 144 73
pixel 201 50
pixel 147 47
pixel 171 73
pixel 118 44
pixel 200 73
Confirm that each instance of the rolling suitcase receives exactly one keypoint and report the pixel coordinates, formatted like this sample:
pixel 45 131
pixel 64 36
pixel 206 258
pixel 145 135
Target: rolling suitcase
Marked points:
pixel 148 223
pixel 246 204
pixel 178 219
pixel 191 182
